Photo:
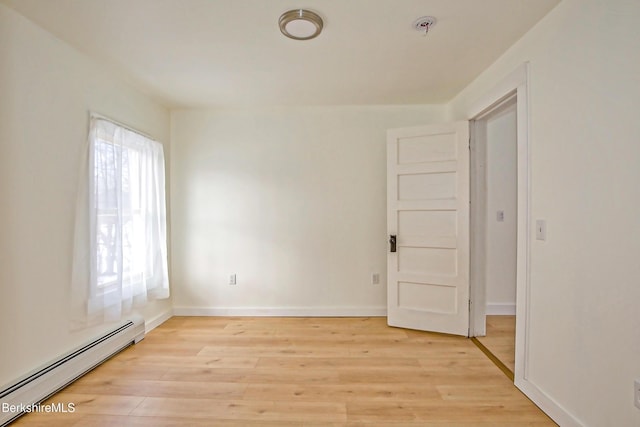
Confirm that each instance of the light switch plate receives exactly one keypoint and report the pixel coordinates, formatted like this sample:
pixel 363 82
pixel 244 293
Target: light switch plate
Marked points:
pixel 541 229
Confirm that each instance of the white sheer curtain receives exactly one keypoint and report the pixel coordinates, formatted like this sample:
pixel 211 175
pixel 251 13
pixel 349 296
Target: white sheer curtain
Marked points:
pixel 120 255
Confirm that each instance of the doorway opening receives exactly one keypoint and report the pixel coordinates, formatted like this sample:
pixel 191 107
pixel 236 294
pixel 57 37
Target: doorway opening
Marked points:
pixel 494 230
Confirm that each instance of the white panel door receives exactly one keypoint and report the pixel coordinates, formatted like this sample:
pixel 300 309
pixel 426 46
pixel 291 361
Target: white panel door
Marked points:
pixel 428 216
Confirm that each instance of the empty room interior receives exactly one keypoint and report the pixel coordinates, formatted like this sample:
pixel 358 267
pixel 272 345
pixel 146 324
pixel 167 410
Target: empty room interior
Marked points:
pixel 367 212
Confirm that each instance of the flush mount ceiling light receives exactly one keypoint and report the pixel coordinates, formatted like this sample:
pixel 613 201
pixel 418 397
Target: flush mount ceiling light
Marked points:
pixel 300 24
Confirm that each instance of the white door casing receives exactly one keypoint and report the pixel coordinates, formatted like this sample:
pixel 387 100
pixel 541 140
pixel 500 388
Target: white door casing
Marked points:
pixel 428 211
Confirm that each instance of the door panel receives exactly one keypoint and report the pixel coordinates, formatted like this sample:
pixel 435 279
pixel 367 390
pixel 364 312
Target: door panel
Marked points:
pixel 426 149
pixel 426 260
pixel 426 186
pixel 415 296
pixel 427 224
pixel 428 211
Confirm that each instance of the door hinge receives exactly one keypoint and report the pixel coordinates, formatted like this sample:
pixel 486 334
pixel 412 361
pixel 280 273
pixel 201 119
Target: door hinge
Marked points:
pixel 469 306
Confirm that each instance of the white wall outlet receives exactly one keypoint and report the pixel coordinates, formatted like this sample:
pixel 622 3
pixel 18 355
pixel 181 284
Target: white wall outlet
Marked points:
pixel 541 229
pixel 375 278
pixel 636 393
pixel 500 216
pixel 232 279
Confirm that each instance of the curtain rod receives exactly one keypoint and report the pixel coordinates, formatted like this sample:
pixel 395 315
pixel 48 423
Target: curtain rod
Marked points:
pixel 93 115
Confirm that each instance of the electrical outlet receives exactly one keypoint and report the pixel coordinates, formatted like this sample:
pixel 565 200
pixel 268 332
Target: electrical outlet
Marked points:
pixel 232 279
pixel 636 393
pixel 500 216
pixel 375 278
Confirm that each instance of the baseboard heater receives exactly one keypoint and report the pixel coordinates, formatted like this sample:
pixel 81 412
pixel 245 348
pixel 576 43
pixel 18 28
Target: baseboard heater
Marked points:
pixel 43 382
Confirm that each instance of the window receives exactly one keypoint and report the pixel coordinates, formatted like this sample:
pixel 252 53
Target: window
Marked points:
pixel 124 208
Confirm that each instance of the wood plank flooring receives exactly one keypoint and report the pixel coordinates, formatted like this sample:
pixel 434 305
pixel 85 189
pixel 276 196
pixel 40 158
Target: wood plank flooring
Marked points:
pixel 501 339
pixel 213 371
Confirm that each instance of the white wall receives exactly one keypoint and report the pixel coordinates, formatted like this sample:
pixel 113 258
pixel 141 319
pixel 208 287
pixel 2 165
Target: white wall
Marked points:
pixel 46 92
pixel 292 200
pixel 501 196
pixel 585 101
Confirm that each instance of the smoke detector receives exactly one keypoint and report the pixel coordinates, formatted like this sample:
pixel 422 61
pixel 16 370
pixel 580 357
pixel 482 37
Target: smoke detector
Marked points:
pixel 424 24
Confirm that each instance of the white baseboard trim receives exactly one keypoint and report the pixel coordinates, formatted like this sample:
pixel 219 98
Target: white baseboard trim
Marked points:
pixel 550 407
pixel 158 320
pixel 501 309
pixel 282 311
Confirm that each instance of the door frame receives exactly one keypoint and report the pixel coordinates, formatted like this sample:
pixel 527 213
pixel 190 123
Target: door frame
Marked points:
pixel 515 84
pixel 479 219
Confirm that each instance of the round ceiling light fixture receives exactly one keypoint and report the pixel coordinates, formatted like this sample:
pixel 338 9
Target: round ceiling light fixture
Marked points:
pixel 300 24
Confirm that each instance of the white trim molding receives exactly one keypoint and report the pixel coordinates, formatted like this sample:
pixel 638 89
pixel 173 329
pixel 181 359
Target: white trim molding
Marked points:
pixel 158 320
pixel 502 91
pixel 545 402
pixel 501 309
pixel 282 311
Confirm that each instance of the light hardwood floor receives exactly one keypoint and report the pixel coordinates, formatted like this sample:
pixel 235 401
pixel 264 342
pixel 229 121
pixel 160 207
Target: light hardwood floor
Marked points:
pixel 213 371
pixel 501 339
